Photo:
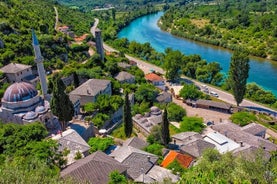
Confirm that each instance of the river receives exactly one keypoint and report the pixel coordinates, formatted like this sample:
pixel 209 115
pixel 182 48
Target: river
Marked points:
pixel 145 29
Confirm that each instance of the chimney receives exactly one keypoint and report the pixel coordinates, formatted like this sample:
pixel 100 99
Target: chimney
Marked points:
pixel 174 142
pixel 148 158
pixel 241 144
pixel 189 138
pixel 88 91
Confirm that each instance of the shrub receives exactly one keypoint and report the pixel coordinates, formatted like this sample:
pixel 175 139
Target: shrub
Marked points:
pixel 192 124
pixel 243 118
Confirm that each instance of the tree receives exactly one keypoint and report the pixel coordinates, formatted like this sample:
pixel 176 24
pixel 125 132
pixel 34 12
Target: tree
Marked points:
pixel 189 91
pixel 238 74
pixel 76 80
pixel 127 117
pixel 115 177
pixel 146 92
pixel 175 112
pixel 165 128
pixel 172 65
pixel 60 104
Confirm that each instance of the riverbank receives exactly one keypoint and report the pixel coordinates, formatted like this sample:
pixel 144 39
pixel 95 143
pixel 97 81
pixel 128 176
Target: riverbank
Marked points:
pixel 210 42
pixel 145 29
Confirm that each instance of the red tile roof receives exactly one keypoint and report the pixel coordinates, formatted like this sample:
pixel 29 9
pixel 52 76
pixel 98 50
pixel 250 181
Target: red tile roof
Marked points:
pixel 153 77
pixel 182 159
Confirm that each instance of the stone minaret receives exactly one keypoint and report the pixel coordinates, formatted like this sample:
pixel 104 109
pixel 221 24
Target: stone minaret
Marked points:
pixel 40 67
pixel 99 44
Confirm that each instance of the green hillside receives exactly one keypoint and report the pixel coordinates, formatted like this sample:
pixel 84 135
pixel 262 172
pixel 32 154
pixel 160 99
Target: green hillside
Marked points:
pixel 18 17
pixel 250 23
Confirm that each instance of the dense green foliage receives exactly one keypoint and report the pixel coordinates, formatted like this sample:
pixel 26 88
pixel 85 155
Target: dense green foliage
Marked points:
pixel 105 105
pixel 256 93
pixel 155 135
pixel 155 149
pixel 243 118
pixel 17 19
pixel 189 91
pixel 226 168
pixel 60 104
pixel 175 112
pixel 34 171
pixel 251 24
pixel 98 143
pixel 26 156
pixel 127 116
pixel 176 168
pixel 165 128
pixel 194 124
pixel 238 74
pixel 146 93
pixel 115 177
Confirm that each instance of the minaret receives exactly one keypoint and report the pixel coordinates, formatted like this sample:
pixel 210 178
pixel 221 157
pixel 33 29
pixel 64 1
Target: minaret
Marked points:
pixel 99 44
pixel 40 67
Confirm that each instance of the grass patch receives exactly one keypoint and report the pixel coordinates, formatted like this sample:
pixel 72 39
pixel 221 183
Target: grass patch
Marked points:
pixel 119 132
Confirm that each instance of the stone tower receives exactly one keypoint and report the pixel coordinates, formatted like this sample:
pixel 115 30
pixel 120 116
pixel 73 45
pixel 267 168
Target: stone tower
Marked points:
pixel 99 44
pixel 40 67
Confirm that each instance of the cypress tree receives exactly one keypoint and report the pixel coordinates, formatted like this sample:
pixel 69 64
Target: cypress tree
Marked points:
pixel 238 73
pixel 127 117
pixel 76 80
pixel 165 128
pixel 60 104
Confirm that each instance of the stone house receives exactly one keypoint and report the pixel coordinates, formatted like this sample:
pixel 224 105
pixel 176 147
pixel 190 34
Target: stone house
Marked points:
pixel 88 91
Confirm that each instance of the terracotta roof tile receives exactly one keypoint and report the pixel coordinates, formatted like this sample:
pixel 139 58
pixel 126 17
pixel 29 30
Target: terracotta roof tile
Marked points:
pixel 153 77
pixel 182 159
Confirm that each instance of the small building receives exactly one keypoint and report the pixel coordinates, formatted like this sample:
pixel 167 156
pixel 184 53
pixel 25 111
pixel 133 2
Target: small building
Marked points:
pixel 88 91
pixel 156 80
pixel 125 77
pixel 240 136
pixel 158 174
pixel 196 147
pixel 94 168
pixel 138 161
pixel 135 142
pixel 164 97
pixel 185 137
pixel 184 160
pixel 63 29
pixel 16 72
pixel 222 143
pixel 70 140
pixel 212 105
pixel 255 129
pixel 124 65
pixel 76 104
pixel 144 123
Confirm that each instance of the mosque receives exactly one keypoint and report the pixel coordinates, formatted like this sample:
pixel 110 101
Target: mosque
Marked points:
pixel 22 103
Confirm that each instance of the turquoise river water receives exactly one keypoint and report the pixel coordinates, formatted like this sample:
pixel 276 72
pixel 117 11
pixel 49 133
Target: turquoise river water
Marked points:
pixel 145 29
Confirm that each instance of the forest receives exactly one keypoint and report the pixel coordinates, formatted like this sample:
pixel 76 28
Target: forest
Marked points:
pixel 251 24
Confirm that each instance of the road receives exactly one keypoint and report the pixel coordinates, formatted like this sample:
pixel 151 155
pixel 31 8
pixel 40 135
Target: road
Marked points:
pixel 57 18
pixel 223 95
pixel 93 28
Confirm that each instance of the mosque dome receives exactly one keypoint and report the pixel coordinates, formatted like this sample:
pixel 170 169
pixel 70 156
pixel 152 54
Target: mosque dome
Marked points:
pixel 40 109
pixel 30 115
pixel 19 91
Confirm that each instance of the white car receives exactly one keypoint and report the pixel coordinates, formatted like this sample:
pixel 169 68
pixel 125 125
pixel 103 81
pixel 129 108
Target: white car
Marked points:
pixel 213 94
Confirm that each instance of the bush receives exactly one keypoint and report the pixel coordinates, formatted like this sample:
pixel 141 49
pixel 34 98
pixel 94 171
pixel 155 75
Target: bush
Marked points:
pixel 98 143
pixel 243 118
pixel 155 149
pixel 192 124
pixel 175 112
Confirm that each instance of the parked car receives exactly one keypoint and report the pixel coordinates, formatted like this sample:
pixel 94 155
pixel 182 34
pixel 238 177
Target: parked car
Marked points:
pixel 212 93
